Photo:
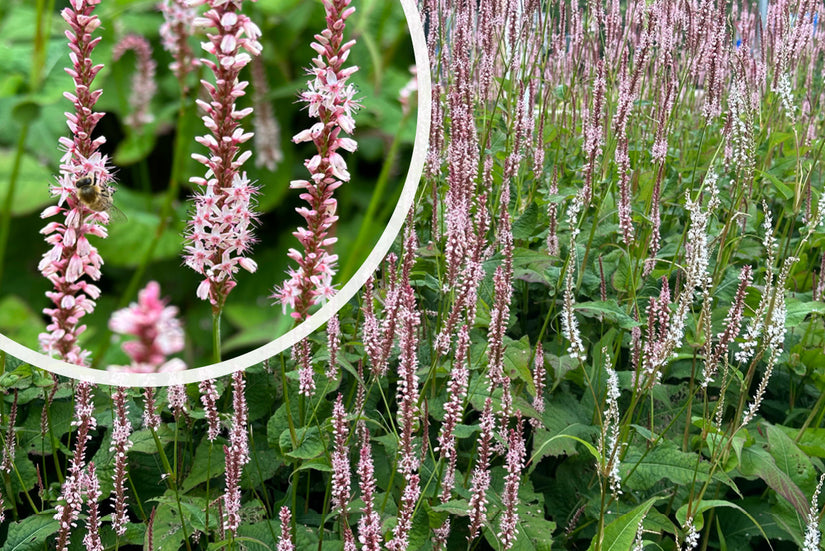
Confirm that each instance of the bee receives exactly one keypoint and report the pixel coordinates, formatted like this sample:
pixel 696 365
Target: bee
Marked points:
pixel 97 196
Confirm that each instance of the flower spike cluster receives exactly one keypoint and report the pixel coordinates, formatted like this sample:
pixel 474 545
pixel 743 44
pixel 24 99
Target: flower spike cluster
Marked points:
pixel 158 330
pixel 178 19
pixel 237 454
pixel 72 256
pixel 330 99
pixel 143 81
pixel 219 234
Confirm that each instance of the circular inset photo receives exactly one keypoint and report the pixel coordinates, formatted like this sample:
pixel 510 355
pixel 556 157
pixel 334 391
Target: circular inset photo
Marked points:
pixel 187 188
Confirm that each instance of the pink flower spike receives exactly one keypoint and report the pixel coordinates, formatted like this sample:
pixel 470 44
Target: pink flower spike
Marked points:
pixel 285 541
pixel 64 265
pixel 157 329
pixel 219 234
pixel 121 429
pixel 143 82
pixel 68 511
pixel 340 458
pixel 330 99
pixel 178 26
pixel 237 454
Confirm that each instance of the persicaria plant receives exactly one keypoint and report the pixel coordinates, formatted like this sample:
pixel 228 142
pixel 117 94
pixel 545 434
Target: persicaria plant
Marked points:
pixel 601 327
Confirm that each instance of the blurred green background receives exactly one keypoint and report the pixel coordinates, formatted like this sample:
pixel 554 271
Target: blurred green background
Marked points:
pixel 32 81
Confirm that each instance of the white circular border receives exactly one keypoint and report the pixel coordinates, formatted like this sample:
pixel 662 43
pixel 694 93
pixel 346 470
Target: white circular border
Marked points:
pixel 321 316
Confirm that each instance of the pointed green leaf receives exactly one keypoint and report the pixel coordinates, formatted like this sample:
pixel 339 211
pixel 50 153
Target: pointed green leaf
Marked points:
pixel 619 534
pixel 31 532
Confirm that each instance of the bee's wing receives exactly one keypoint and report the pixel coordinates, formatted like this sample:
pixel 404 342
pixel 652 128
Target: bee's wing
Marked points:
pixel 116 215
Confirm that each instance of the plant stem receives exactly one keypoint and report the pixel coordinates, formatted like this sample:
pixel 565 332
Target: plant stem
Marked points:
pixel 216 334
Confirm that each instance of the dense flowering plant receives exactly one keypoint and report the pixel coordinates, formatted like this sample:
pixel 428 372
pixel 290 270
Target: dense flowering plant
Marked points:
pixel 601 328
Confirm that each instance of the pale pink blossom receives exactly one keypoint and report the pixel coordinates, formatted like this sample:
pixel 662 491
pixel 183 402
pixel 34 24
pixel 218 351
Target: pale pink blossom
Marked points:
pixel 340 458
pixel 237 455
pixel 333 345
pixel 369 524
pixel 91 540
pixel 209 399
pixel 732 325
pixel 7 464
pixel 330 99
pixel 219 234
pixel 177 27
pixel 285 541
pixel 463 151
pixel 306 375
pixel 407 391
pixel 569 324
pixel 539 376
pixel 143 81
pixel 480 481
pixel 121 429
pixel 151 417
pixel 72 258
pixel 159 333
pixel 409 498
pixel 71 493
pixel 514 464
pixel 502 293
pixel 812 533
pixel 176 396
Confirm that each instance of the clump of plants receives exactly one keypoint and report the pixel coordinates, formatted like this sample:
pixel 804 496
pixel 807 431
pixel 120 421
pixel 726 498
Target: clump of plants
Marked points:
pixel 601 327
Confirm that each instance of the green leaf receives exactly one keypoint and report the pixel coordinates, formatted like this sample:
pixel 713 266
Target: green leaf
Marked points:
pixel 525 225
pixel 263 465
pixel 144 442
pixel 564 422
pixel 135 147
pixel 642 471
pixel 516 360
pixel 794 463
pixel 260 535
pixel 458 507
pixel 26 111
pixel 758 462
pixel 786 191
pixel 31 533
pixel 622 278
pixel 812 441
pixel 167 529
pixel 535 532
pixel 308 440
pixel 619 534
pixel 798 310
pixel 532 266
pixel 607 310
pixel 127 242
pixel 31 191
pixel 706 504
pixel 561 443
pixel 317 464
pixel 204 467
